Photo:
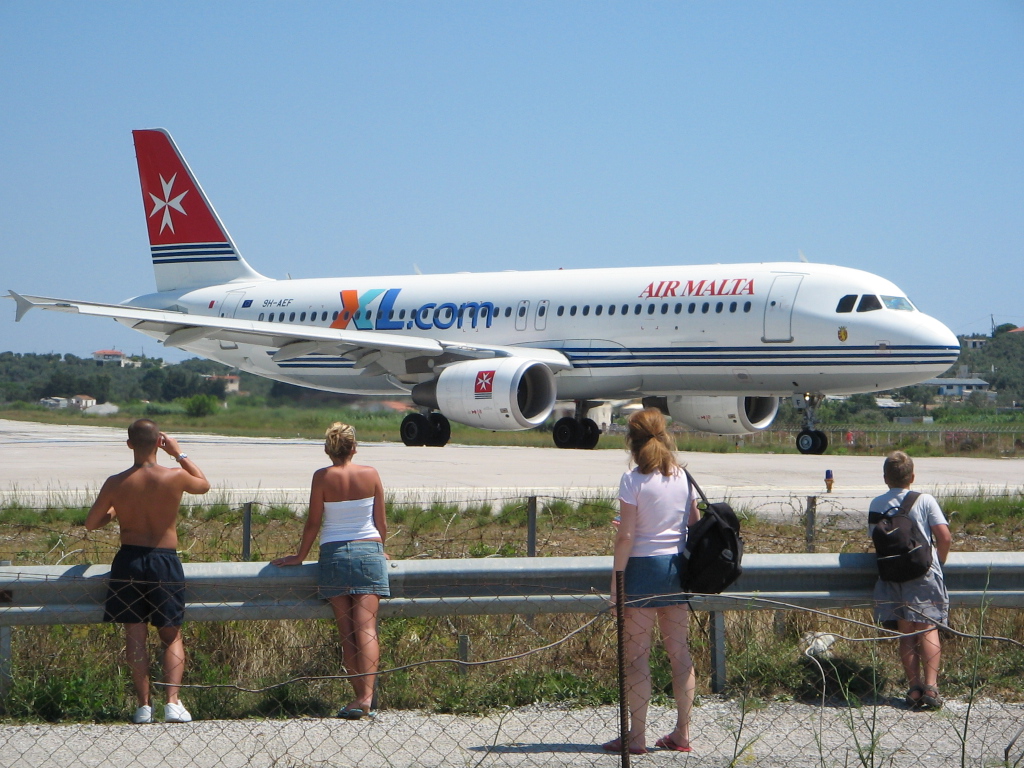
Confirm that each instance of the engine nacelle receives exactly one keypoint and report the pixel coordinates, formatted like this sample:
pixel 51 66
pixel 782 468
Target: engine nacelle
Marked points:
pixel 506 393
pixel 724 415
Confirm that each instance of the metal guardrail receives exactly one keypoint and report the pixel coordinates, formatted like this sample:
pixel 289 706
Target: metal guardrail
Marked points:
pixel 42 595
pixel 33 595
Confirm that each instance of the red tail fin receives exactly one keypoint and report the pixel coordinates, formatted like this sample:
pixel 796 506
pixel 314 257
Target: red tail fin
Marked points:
pixel 190 246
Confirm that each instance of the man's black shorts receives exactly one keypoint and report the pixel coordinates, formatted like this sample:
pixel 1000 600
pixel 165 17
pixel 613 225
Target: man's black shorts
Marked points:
pixel 147 585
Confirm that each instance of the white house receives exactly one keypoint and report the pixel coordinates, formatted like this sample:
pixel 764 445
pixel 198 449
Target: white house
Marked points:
pixel 81 402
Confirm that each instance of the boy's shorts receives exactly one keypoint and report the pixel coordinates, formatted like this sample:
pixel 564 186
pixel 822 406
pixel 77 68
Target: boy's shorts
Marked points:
pixel 147 585
pixel 923 600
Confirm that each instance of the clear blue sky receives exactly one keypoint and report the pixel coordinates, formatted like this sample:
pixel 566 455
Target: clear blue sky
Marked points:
pixel 375 138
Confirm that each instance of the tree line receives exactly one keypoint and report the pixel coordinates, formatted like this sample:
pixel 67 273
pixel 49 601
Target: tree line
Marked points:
pixel 30 377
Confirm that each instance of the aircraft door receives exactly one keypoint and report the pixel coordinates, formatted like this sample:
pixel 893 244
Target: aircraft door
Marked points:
pixel 522 311
pixel 540 322
pixel 778 310
pixel 230 303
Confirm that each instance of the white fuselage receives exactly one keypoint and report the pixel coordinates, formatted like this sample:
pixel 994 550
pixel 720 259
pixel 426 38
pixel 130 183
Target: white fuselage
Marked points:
pixel 741 329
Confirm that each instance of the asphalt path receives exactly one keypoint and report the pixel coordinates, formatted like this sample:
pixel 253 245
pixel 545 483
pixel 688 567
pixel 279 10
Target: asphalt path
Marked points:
pixel 42 463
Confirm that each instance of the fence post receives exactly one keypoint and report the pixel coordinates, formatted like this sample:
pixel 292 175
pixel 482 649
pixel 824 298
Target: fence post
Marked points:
pixel 6 669
pixel 717 651
pixel 531 527
pixel 620 635
pixel 810 520
pixel 247 532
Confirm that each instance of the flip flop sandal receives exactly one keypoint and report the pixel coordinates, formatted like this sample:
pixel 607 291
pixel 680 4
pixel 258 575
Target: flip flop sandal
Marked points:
pixel 615 745
pixel 667 742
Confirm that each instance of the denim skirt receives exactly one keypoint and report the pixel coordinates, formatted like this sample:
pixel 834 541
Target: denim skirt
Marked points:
pixel 353 568
pixel 653 582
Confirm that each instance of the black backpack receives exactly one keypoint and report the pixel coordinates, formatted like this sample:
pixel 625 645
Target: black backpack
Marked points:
pixel 713 550
pixel 903 552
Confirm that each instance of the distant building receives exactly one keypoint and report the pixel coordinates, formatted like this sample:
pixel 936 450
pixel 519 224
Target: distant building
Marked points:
pixel 81 402
pixel 230 381
pixel 107 356
pixel 975 342
pixel 963 387
pixel 54 402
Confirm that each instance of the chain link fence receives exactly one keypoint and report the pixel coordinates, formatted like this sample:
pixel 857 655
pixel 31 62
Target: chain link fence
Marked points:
pixel 466 687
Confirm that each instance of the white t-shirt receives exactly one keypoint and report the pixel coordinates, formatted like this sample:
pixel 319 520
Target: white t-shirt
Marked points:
pixel 663 507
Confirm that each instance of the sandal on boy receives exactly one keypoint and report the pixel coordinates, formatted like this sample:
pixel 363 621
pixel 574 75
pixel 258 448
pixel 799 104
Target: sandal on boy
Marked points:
pixel 914 702
pixel 930 698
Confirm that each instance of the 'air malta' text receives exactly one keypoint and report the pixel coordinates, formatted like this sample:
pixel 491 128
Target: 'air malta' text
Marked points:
pixel 729 286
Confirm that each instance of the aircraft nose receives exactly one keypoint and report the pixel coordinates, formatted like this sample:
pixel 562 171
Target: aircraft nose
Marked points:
pixel 937 334
pixel 937 341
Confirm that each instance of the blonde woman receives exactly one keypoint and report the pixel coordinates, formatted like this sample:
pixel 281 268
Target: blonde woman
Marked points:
pixel 346 501
pixel 656 504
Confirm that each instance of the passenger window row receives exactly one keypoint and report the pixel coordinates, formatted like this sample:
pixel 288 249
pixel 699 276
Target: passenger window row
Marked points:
pixel 585 310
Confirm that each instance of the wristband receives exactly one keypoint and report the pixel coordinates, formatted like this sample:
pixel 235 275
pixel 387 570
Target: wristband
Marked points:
pixel 180 456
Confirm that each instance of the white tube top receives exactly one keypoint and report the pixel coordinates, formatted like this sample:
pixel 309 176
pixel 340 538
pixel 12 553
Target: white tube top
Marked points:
pixel 348 521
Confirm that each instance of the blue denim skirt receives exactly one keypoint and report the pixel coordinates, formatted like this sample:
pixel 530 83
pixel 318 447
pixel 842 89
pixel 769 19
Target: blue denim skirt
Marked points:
pixel 353 568
pixel 653 582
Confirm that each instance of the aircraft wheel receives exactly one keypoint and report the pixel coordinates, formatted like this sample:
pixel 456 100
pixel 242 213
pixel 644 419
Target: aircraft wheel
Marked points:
pixel 415 429
pixel 590 433
pixel 566 433
pixel 806 441
pixel 821 442
pixel 441 430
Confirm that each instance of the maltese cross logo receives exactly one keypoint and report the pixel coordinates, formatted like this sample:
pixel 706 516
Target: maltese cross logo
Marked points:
pixel 484 385
pixel 167 203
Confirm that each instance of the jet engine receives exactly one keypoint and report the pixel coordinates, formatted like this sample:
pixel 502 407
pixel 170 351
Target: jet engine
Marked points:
pixel 497 393
pixel 724 415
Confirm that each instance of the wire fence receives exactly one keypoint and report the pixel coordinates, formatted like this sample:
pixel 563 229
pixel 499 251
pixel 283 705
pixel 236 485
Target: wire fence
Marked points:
pixel 805 688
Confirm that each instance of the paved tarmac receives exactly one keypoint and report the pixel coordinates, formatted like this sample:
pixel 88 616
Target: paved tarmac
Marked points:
pixel 44 462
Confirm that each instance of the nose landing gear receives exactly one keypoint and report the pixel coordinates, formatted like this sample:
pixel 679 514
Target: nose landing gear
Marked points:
pixel 810 440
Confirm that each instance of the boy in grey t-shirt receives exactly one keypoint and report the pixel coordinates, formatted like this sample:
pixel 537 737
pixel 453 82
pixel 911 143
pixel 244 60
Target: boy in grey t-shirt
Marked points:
pixel 914 607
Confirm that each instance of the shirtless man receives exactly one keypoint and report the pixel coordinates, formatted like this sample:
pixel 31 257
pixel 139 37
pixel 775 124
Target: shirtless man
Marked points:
pixel 147 584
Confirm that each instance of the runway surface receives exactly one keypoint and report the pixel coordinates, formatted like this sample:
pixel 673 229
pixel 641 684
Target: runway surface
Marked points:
pixel 44 462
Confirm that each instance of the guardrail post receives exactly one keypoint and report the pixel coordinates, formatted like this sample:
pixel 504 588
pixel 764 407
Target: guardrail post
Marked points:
pixel 247 532
pixel 717 651
pixel 531 527
pixel 463 652
pixel 810 519
pixel 6 679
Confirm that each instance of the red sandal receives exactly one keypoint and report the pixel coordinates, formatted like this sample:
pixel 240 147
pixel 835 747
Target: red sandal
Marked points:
pixel 667 742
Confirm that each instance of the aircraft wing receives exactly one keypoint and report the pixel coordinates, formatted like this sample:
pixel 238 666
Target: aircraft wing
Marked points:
pixel 373 351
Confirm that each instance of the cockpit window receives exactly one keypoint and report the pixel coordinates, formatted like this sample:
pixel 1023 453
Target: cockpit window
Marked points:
pixel 846 303
pixel 868 303
pixel 898 302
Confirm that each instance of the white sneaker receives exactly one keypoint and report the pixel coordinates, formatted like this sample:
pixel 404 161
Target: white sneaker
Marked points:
pixel 143 715
pixel 176 713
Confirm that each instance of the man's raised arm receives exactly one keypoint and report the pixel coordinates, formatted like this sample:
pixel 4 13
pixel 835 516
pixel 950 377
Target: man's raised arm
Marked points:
pixel 195 481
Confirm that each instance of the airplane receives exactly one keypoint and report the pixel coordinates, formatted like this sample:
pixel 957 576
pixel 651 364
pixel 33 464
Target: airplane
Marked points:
pixel 715 346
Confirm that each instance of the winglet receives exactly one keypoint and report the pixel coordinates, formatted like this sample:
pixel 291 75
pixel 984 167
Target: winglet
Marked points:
pixel 24 305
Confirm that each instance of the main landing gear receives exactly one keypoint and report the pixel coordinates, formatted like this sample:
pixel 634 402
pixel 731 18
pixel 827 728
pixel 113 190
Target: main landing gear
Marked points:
pixel 426 429
pixel 577 431
pixel 810 440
